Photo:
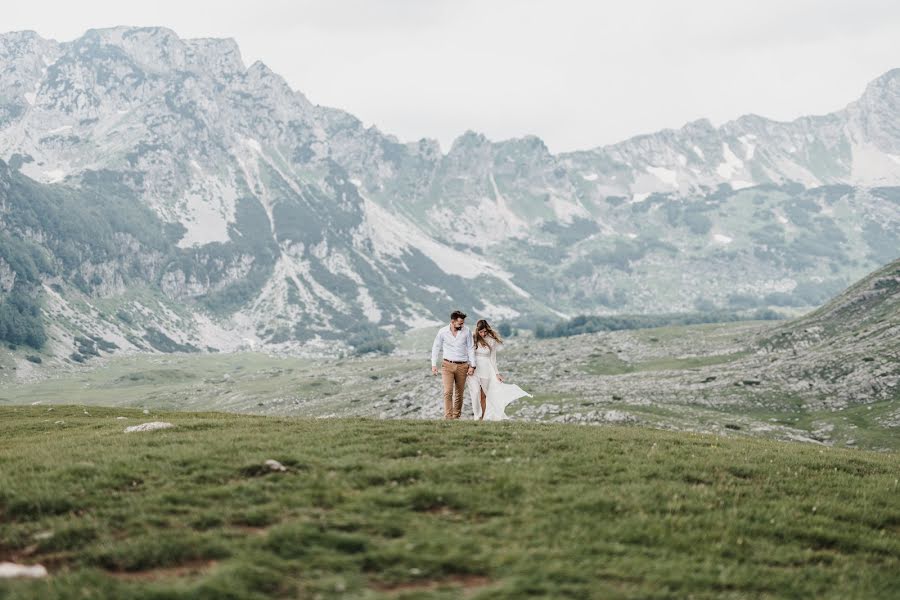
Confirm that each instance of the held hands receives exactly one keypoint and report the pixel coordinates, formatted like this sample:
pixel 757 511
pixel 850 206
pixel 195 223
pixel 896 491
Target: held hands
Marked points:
pixel 471 371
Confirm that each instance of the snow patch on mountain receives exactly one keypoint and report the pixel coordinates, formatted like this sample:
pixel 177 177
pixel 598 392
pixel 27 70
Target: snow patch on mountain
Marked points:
pixel 370 309
pixel 873 166
pixel 207 209
pixel 749 146
pixel 730 165
pixel 667 176
pixel 54 175
pixel 721 238
pixel 567 211
pixel 495 312
pixel 381 229
pixel 252 144
pixel 514 224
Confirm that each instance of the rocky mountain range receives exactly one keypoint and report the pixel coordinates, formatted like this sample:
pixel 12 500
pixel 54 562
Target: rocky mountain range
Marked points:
pixel 158 194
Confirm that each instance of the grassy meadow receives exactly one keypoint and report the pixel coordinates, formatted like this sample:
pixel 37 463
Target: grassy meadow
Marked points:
pixel 430 509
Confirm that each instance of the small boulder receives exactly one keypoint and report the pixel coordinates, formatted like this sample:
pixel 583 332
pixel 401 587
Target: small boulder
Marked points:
pixel 152 426
pixel 274 465
pixel 9 570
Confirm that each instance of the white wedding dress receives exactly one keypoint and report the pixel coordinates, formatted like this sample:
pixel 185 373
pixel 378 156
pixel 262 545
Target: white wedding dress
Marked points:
pixel 498 394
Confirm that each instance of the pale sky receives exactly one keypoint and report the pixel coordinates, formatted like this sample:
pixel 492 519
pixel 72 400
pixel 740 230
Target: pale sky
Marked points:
pixel 579 74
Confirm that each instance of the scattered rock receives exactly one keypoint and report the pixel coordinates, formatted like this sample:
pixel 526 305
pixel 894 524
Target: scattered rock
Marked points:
pixel 259 470
pixel 121 418
pixel 274 465
pixel 152 426
pixel 146 412
pixel 8 570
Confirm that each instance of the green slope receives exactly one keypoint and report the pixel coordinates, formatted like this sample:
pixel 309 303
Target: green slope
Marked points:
pixel 430 509
pixel 871 306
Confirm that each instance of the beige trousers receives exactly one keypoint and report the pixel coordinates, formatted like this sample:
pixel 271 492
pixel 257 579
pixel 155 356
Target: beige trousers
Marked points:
pixel 453 375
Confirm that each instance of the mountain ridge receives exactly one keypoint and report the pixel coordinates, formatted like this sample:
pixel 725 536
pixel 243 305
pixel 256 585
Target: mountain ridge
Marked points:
pixel 231 47
pixel 311 224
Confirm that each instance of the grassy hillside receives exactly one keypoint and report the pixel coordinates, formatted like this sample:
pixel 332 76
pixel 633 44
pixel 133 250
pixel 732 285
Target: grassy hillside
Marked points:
pixel 430 509
pixel 700 378
pixel 870 306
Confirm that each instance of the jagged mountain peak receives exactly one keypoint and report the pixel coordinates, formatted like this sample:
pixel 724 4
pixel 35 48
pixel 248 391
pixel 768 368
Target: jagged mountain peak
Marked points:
pixel 890 79
pixel 279 212
pixel 469 139
pixel 25 46
pixel 24 36
pixel 160 49
pixel 221 55
pixel 883 94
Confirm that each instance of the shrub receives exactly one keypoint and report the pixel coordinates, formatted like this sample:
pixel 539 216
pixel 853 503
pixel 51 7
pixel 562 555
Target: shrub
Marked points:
pixel 20 318
pixel 591 324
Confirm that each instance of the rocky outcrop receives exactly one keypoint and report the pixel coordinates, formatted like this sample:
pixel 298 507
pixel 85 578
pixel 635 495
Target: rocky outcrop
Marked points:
pixel 291 223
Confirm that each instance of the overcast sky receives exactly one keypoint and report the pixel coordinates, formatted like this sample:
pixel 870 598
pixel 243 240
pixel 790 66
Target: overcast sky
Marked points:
pixel 578 74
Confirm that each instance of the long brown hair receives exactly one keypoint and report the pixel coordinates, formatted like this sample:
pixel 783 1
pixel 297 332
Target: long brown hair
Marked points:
pixel 481 340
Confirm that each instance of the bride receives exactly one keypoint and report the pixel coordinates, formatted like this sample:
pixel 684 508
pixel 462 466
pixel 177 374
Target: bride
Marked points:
pixel 489 393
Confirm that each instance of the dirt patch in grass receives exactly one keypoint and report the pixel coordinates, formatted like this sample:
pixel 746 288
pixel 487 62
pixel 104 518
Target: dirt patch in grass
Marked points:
pixel 250 530
pixel 190 569
pixel 468 584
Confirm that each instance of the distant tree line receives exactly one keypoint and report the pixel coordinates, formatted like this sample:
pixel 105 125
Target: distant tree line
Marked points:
pixel 366 338
pixel 592 323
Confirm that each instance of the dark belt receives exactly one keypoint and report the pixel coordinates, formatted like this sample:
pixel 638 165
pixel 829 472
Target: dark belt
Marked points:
pixel 457 362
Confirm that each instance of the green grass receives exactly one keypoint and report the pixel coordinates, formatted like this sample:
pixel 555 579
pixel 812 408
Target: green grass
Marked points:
pixel 610 364
pixel 233 382
pixel 431 509
pixel 418 341
pixel 857 423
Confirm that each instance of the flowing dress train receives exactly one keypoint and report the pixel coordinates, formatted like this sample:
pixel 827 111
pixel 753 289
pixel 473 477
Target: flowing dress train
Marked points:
pixel 498 394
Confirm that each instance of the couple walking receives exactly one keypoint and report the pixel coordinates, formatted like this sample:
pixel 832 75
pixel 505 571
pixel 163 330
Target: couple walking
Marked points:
pixel 472 357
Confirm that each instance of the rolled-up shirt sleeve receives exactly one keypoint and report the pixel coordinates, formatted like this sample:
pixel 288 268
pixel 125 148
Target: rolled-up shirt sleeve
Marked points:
pixel 436 349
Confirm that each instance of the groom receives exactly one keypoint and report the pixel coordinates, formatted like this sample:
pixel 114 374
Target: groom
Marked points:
pixel 455 343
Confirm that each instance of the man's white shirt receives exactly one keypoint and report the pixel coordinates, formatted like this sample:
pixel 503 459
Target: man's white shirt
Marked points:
pixel 458 347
